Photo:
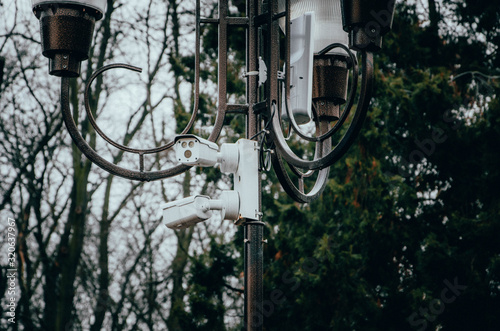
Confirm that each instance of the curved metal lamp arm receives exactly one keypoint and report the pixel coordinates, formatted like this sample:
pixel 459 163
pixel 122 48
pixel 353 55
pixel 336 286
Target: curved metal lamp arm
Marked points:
pixel 112 168
pixel 92 155
pixel 188 127
pixel 338 151
pixel 93 122
pixel 298 193
pixel 327 157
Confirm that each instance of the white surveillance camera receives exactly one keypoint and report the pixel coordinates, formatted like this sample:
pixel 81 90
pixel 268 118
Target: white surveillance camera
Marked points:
pixel 195 151
pixel 186 212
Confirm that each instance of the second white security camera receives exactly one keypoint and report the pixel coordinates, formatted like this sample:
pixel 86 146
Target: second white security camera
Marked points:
pixel 187 212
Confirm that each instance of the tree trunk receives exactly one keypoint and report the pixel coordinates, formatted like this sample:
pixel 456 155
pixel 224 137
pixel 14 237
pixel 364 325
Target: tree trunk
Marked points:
pixel 103 280
pixel 61 276
pixel 178 265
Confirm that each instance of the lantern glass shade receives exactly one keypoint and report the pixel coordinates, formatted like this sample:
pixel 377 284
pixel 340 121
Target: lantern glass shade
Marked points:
pixel 99 5
pixel 328 20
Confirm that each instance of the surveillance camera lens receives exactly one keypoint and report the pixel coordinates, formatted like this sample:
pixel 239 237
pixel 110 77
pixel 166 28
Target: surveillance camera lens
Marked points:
pixel 187 154
pixel 191 144
pixel 184 144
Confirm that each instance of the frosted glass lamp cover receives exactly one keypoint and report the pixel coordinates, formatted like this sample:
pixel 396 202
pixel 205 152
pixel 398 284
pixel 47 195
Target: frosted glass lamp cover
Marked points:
pixel 328 27
pixel 99 5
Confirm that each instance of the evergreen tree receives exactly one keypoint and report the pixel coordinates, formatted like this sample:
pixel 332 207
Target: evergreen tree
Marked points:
pixel 406 234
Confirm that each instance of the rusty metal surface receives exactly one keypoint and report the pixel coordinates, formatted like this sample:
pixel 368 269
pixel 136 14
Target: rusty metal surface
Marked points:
pixel 331 75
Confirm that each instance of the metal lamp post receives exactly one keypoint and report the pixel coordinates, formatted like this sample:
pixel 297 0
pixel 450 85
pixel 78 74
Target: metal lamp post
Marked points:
pixel 319 48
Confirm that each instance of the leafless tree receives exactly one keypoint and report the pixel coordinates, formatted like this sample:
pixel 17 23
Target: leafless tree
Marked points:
pixel 89 252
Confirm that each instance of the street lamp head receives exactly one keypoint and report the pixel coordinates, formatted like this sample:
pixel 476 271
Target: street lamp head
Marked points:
pixel 66 28
pixel 367 21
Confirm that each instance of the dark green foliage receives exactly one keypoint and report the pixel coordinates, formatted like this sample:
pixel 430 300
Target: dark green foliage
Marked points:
pixel 406 234
pixel 208 275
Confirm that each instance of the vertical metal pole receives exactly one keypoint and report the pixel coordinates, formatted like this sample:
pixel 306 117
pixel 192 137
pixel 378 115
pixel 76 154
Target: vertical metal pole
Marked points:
pixel 253 256
pixel 254 318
